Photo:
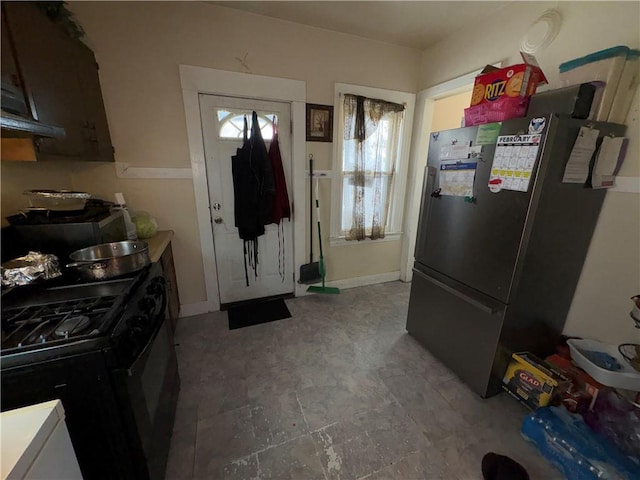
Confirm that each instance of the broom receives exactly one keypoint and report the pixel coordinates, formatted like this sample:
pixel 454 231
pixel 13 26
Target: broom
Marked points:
pixel 310 272
pixel 323 288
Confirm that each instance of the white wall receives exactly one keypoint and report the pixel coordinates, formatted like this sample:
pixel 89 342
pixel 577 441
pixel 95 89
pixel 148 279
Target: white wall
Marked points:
pixel 20 176
pixel 611 273
pixel 139 46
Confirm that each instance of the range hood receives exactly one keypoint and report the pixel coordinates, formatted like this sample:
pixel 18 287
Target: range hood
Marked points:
pixel 18 124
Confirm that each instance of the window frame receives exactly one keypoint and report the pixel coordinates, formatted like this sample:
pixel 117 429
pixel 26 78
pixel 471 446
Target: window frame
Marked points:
pixel 397 201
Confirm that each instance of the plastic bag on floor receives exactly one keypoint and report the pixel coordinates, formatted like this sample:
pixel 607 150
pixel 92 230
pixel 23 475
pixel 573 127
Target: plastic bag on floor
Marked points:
pixel 569 444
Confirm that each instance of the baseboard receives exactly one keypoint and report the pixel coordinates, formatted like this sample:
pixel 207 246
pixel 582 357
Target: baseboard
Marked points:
pixel 191 309
pixel 364 281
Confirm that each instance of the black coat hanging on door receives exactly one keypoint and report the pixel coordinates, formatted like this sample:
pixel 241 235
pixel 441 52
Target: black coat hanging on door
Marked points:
pixel 253 191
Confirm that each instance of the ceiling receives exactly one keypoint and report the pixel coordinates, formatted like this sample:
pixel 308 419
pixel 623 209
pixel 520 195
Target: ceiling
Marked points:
pixel 415 24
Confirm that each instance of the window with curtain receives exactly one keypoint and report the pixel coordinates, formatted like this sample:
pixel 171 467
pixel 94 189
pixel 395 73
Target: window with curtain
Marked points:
pixel 370 150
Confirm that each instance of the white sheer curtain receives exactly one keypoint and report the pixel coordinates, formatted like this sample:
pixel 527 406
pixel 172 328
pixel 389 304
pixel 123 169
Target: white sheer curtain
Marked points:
pixel 370 149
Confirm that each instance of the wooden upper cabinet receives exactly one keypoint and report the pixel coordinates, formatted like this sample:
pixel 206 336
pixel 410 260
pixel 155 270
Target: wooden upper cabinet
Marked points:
pixel 13 99
pixel 61 84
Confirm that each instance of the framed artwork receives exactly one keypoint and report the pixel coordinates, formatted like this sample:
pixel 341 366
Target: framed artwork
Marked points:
pixel 319 123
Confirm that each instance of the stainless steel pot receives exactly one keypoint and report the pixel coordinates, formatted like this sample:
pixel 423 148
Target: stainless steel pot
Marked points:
pixel 109 260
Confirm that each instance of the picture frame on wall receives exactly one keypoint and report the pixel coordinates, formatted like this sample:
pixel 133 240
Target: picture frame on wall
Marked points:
pixel 319 123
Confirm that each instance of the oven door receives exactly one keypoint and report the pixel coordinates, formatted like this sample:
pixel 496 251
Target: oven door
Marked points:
pixel 148 394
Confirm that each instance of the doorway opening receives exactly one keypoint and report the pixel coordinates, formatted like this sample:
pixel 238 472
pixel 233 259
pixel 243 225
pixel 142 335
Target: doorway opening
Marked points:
pixel 223 119
pixel 202 80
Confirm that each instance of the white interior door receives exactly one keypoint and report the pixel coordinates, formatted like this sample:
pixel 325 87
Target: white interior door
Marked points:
pixel 222 127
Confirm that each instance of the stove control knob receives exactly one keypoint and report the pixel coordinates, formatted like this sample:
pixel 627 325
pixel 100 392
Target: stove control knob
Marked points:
pixel 146 304
pixel 156 287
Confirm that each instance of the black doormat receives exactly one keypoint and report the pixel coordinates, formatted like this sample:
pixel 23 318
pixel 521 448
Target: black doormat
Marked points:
pixel 256 313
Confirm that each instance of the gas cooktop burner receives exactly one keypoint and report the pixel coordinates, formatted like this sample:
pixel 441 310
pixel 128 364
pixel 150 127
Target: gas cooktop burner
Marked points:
pixel 72 325
pixel 54 322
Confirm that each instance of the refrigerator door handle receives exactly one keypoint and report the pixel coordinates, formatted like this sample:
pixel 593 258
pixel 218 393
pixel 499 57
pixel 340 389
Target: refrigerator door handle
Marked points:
pixel 476 303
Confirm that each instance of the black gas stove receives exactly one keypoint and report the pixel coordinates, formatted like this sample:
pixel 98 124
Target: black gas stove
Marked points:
pixel 31 327
pixel 61 317
pixel 106 350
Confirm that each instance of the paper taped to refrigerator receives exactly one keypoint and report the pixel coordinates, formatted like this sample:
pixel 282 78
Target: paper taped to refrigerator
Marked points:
pixel 454 152
pixel 513 162
pixel 577 168
pixel 608 161
pixel 456 178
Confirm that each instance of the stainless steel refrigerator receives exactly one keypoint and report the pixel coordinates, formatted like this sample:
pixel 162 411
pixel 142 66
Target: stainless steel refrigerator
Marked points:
pixel 496 272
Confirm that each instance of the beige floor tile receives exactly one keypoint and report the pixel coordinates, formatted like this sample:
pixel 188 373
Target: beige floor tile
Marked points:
pixel 338 391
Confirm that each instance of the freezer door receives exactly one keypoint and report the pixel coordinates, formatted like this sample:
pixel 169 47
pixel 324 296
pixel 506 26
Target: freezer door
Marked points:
pixel 458 326
pixel 474 243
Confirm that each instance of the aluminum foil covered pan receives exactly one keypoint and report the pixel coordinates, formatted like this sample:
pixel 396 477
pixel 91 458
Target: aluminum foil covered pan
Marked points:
pixel 27 269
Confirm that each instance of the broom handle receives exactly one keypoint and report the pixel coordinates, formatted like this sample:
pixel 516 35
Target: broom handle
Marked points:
pixel 318 217
pixel 310 208
pixel 322 268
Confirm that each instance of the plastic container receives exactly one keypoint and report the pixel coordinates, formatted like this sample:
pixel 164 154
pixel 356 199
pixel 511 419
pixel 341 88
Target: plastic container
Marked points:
pixel 604 66
pixel 120 205
pixel 627 87
pixel 570 445
pixel 627 377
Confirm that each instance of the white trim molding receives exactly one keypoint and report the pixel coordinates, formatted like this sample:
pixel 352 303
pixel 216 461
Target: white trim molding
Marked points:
pixel 396 207
pixel 364 281
pixel 123 170
pixel 196 80
pixel 198 308
pixel 342 242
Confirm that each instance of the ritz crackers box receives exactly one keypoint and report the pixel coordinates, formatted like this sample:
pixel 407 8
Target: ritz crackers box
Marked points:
pixel 520 80
pixel 503 93
pixel 532 380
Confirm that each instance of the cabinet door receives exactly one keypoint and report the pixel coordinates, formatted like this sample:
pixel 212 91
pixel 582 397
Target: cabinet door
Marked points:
pixel 98 139
pixel 172 285
pixel 43 52
pixel 57 459
pixel 12 91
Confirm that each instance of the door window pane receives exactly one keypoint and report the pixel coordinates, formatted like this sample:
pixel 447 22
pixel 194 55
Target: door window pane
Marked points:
pixel 231 124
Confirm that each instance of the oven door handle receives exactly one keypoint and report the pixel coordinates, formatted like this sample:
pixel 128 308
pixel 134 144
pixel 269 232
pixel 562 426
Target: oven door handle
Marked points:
pixel 159 320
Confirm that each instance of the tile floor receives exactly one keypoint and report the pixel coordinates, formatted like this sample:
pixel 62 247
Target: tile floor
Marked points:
pixel 338 391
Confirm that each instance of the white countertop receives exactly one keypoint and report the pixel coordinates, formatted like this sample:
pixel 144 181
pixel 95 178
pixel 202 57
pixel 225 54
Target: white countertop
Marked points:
pixel 24 433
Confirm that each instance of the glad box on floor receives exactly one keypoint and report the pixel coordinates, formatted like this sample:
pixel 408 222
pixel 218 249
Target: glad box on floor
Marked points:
pixel 532 380
pixel 519 80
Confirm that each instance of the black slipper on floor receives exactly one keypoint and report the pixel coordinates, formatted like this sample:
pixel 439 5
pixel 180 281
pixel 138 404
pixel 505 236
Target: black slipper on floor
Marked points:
pixel 499 467
pixel 256 313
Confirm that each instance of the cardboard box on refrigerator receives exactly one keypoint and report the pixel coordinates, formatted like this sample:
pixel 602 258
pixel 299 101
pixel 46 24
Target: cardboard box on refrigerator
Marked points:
pixel 503 93
pixel 521 80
